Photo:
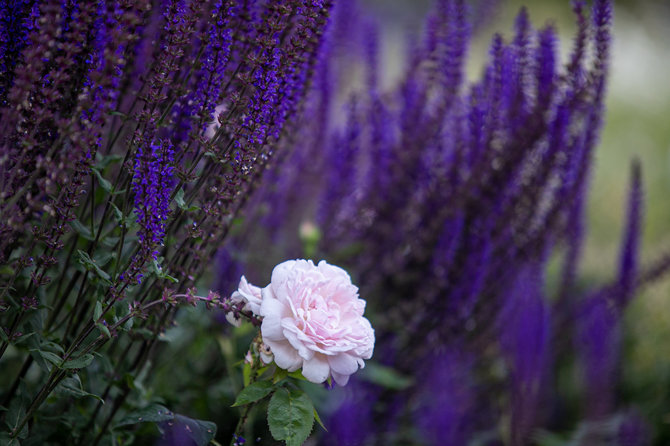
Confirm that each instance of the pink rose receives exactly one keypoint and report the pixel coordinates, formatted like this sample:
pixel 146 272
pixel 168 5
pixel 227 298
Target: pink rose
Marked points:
pixel 248 293
pixel 313 318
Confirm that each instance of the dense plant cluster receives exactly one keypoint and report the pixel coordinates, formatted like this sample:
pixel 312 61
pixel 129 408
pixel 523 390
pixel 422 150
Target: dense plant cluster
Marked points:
pixel 447 200
pixel 142 139
pixel 132 132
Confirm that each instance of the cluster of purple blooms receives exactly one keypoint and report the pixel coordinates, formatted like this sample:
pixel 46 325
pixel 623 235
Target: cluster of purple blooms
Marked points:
pixel 131 133
pixel 446 200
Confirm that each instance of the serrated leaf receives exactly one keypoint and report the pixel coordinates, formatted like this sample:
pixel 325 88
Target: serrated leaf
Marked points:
pixel 79 363
pixel 290 416
pixel 106 185
pixel 81 229
pixel 254 392
pixel 154 413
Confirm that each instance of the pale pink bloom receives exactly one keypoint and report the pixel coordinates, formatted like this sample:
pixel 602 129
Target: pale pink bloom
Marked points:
pixel 313 318
pixel 249 294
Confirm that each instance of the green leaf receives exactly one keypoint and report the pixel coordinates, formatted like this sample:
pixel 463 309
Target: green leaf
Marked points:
pixel 50 356
pixel 128 325
pixel 24 338
pixel 6 440
pixel 72 386
pixel 297 375
pixel 118 113
pixel 254 392
pixel 160 273
pixel 181 203
pixel 246 374
pixel 385 376
pixel 318 420
pixel 109 242
pixel 179 199
pixel 200 431
pixel 92 266
pixel 154 413
pixel 79 363
pixel 103 329
pixel 15 414
pixel 279 375
pixel 52 346
pixel 106 185
pixel 107 160
pixel 546 438
pixel 81 229
pixel 97 312
pixel 145 333
pixel 290 416
pixel 117 213
pixel 103 258
pixel 6 270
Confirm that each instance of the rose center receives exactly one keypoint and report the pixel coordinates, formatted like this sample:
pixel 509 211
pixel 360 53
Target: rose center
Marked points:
pixel 304 315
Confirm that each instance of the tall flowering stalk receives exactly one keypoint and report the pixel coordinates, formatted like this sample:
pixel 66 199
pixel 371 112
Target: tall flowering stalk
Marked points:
pixel 447 199
pixel 132 133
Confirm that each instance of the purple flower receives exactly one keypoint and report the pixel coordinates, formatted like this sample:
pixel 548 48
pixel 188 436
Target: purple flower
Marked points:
pixel 153 184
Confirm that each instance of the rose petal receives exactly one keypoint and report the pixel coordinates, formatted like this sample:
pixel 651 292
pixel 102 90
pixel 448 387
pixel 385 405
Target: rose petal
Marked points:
pixel 285 356
pixel 249 293
pixel 340 379
pixel 316 370
pixel 271 328
pixel 343 363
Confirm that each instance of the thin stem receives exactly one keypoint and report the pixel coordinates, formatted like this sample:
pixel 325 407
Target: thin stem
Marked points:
pixel 255 366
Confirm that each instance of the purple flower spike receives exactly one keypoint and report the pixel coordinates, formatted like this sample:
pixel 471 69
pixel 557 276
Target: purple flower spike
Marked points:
pixel 628 259
pixel 597 343
pixel 153 185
